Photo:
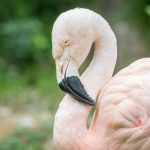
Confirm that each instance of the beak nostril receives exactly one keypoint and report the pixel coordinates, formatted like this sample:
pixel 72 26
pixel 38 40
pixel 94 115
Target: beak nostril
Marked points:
pixel 64 67
pixel 61 69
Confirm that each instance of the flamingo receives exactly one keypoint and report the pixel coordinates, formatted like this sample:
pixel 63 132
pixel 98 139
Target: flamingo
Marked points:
pixel 121 120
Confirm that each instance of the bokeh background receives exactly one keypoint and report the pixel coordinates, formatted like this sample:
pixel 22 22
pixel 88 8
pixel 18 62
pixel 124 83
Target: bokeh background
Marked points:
pixel 29 94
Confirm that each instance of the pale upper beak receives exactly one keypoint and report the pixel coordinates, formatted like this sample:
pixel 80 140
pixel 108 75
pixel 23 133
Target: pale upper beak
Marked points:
pixel 69 81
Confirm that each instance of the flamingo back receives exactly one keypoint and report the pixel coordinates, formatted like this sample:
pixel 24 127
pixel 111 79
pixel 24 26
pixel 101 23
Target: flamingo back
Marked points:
pixel 123 110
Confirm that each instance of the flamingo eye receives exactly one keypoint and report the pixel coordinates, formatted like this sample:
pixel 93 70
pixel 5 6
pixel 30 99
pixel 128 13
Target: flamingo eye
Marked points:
pixel 67 42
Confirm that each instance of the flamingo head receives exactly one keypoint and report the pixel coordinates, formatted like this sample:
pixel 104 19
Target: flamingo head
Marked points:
pixel 72 38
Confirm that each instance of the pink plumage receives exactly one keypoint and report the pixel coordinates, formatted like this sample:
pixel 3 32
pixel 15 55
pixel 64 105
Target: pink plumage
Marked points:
pixel 122 117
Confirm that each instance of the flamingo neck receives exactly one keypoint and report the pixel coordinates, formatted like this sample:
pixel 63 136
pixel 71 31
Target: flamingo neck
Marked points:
pixel 70 129
pixel 101 68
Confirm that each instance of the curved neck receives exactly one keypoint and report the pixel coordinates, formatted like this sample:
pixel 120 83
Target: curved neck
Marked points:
pixel 101 68
pixel 70 130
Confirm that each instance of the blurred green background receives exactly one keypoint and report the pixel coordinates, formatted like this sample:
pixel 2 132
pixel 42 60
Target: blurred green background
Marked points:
pixel 29 95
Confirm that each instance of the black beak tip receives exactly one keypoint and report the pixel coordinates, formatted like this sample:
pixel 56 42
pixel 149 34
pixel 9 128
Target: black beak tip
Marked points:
pixel 93 103
pixel 62 86
pixel 73 86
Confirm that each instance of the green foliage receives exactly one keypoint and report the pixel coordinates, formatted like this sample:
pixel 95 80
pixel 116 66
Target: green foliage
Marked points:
pixel 26 139
pixel 23 42
pixel 31 91
pixel 147 9
pixel 137 13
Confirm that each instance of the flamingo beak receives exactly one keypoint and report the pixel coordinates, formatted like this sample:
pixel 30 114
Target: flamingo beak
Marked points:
pixel 69 82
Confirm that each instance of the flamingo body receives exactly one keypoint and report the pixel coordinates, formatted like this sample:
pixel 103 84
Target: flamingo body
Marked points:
pixel 123 114
pixel 122 117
